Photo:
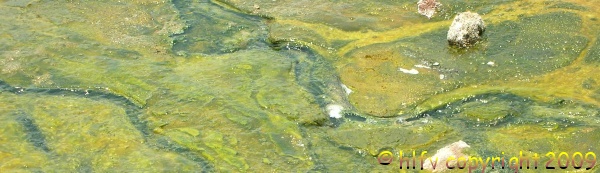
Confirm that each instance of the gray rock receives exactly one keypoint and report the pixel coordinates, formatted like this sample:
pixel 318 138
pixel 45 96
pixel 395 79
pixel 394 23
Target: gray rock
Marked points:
pixel 466 29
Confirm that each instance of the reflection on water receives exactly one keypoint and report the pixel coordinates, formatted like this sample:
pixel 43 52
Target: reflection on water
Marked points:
pixel 230 85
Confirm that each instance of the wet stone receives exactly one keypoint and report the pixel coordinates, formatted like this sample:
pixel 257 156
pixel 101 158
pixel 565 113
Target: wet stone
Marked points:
pixel 466 29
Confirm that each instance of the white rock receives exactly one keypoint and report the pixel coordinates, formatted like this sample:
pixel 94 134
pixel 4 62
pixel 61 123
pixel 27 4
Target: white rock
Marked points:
pixel 411 71
pixel 348 90
pixel 466 29
pixel 422 66
pixel 335 111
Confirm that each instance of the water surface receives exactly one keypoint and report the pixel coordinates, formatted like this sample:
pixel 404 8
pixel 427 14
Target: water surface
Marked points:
pixel 247 86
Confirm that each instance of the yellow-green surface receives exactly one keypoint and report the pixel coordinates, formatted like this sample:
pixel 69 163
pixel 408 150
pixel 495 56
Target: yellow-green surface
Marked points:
pixel 244 85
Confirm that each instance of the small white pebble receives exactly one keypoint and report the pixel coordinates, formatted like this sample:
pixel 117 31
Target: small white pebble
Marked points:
pixel 422 66
pixel 411 71
pixel 335 111
pixel 491 63
pixel 348 90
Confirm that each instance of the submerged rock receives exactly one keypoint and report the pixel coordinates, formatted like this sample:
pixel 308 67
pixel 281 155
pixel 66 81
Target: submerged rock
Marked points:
pixel 466 29
pixel 428 7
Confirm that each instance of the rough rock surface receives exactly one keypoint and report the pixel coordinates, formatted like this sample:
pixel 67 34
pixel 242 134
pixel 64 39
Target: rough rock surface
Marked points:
pixel 466 29
pixel 428 7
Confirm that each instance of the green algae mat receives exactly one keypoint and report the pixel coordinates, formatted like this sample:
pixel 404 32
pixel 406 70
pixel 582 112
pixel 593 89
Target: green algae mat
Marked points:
pixel 295 86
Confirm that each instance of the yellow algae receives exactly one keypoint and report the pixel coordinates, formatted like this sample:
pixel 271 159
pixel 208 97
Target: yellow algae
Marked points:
pixel 563 83
pixel 374 138
pixel 460 66
pixel 358 40
pixel 190 131
pixel 392 35
pixel 504 12
pixel 379 79
pixel 122 24
pixel 214 140
pixel 252 74
pixel 234 85
pixel 528 137
pixel 80 131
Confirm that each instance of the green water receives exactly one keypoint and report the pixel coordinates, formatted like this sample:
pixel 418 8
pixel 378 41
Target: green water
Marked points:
pixel 245 86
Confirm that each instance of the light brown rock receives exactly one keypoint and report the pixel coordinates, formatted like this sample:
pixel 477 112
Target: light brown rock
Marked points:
pixel 428 7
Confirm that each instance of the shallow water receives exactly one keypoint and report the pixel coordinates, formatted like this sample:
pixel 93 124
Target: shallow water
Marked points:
pixel 248 86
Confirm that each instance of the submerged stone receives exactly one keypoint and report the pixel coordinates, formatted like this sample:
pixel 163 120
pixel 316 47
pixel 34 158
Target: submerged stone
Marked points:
pixel 466 29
